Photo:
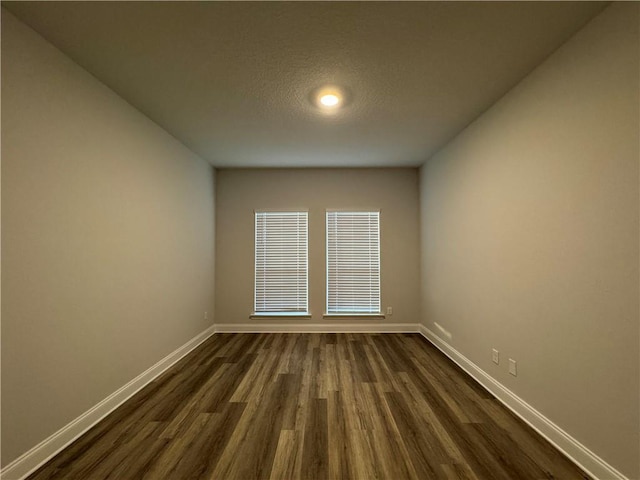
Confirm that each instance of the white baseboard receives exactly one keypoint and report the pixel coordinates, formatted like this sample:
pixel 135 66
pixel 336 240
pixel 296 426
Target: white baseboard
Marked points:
pixel 304 327
pixel 572 448
pixel 28 462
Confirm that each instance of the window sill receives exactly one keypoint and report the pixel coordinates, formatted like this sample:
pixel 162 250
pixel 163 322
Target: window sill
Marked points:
pixel 281 315
pixel 367 315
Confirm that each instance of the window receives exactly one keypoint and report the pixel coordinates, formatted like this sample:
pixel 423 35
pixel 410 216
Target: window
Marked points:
pixel 281 282
pixel 353 263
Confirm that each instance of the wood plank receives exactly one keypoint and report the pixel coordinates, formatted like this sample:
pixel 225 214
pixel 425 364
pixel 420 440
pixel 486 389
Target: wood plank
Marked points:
pixel 251 450
pixel 199 458
pixel 387 440
pixel 425 452
pixel 315 453
pixel 338 438
pixel 288 460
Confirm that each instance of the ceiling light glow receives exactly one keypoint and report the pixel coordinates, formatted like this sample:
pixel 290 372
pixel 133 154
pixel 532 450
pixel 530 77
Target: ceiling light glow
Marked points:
pixel 329 98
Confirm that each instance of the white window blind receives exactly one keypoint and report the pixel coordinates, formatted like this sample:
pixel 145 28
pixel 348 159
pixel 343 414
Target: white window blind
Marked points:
pixel 281 263
pixel 353 262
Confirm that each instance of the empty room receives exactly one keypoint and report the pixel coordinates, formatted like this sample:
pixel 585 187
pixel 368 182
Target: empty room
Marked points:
pixel 320 240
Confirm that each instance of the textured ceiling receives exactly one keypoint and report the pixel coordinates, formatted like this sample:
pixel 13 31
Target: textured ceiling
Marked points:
pixel 232 80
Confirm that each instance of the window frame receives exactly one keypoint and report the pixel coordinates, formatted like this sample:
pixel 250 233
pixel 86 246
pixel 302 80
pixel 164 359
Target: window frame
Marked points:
pixel 282 313
pixel 372 314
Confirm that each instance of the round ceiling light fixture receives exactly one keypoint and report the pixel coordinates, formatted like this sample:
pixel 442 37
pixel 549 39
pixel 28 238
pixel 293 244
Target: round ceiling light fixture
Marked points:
pixel 329 98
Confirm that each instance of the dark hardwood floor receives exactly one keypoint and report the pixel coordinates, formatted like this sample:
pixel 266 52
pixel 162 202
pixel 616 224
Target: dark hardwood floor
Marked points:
pixel 311 406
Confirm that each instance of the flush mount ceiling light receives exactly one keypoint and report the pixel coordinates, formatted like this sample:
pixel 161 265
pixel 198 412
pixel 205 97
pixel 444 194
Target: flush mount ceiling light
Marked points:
pixel 329 98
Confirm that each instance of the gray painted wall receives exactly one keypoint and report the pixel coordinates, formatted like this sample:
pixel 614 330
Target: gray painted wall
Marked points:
pixel 529 223
pixel 240 192
pixel 107 241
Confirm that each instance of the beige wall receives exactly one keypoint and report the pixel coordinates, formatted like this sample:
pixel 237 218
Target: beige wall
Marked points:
pixel 529 238
pixel 107 241
pixel 240 192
